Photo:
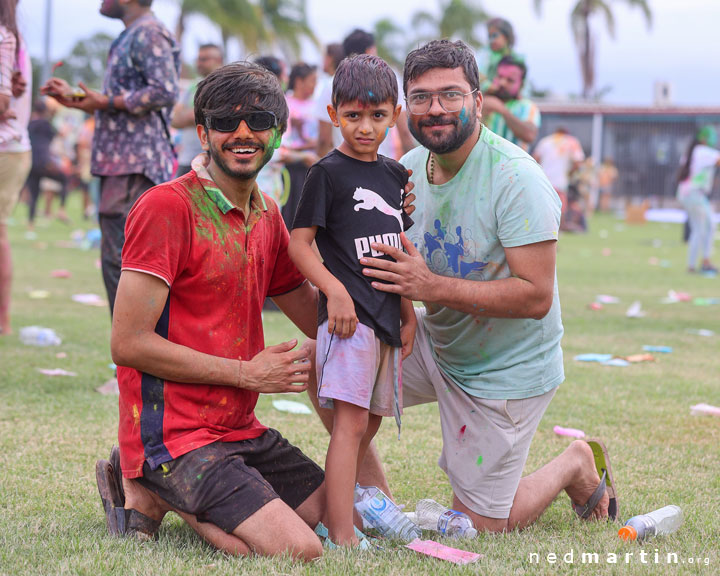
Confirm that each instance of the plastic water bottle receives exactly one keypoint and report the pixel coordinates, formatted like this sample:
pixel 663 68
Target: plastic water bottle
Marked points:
pixel 383 515
pixel 657 523
pixel 39 336
pixel 435 516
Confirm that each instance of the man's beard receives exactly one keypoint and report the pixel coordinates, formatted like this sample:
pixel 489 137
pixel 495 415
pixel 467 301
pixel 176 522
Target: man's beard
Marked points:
pixel 244 173
pixel 504 95
pixel 445 143
pixel 112 10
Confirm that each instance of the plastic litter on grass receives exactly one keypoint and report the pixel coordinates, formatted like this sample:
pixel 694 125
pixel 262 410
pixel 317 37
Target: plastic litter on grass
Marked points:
pixel 291 407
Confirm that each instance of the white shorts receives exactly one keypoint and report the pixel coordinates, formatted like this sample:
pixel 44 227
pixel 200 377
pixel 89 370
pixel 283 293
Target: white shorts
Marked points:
pixel 360 370
pixel 485 442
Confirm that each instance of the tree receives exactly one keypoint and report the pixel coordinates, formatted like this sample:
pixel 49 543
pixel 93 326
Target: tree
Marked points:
pixel 390 40
pixel 459 20
pixel 581 22
pixel 86 61
pixel 257 25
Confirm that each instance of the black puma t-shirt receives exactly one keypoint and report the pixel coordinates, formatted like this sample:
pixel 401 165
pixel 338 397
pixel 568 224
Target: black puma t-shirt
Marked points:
pixel 354 203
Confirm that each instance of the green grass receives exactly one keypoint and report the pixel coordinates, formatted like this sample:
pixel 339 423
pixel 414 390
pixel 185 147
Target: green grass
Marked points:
pixel 53 429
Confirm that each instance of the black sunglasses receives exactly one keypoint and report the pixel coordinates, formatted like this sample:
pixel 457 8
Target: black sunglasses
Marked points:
pixel 256 121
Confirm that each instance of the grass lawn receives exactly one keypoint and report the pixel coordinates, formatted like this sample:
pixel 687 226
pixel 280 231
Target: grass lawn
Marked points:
pixel 52 429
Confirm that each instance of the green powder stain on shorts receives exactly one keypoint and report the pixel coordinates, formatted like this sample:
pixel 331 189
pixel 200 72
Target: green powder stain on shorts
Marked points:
pixel 165 469
pixel 479 460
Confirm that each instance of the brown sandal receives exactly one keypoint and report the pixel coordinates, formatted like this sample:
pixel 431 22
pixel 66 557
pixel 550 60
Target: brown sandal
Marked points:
pixel 119 521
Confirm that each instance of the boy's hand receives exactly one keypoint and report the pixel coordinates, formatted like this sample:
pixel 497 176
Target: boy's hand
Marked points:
pixel 341 313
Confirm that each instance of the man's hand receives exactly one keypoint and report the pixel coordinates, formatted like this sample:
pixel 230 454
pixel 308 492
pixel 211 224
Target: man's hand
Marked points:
pixel 19 84
pixel 408 196
pixel 407 328
pixel 9 114
pixel 408 276
pixel 493 104
pixel 61 91
pixel 342 318
pixel 277 369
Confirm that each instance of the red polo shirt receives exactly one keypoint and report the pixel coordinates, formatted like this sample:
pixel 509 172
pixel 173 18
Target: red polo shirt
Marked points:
pixel 219 268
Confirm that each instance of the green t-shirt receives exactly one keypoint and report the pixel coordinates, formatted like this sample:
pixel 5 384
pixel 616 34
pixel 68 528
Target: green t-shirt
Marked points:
pixel 525 110
pixel 499 199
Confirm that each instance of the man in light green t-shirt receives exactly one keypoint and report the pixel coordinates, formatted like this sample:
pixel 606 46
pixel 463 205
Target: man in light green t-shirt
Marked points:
pixel 481 257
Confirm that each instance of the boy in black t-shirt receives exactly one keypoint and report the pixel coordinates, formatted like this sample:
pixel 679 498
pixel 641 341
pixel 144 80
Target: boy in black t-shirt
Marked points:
pixel 352 198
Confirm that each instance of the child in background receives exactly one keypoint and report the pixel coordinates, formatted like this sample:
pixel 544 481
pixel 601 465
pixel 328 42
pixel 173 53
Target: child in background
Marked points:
pixel 352 198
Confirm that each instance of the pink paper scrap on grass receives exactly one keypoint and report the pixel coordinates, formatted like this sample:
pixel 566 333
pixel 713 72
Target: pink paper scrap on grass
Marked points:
pixel 60 273
pixel 437 550
pixel 705 409
pixel 572 432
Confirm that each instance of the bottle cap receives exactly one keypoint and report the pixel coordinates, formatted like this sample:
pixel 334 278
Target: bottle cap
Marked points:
pixel 627 533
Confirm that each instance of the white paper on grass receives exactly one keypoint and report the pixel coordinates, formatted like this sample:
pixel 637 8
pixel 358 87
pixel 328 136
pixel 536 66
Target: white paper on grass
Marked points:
pixel 291 407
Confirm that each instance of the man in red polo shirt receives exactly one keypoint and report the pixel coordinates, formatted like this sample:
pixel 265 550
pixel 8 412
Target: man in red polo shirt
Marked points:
pixel 201 254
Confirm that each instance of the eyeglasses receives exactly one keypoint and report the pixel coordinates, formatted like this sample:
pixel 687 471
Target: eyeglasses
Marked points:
pixel 450 101
pixel 257 121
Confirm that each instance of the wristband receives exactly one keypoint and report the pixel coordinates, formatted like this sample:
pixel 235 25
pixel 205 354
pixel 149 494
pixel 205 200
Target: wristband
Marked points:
pixel 111 104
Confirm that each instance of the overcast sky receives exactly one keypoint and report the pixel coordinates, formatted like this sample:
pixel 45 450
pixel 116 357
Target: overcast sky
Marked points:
pixel 682 47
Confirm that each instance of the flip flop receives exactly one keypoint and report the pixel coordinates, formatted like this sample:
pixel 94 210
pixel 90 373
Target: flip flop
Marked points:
pixel 365 542
pixel 119 521
pixel 606 484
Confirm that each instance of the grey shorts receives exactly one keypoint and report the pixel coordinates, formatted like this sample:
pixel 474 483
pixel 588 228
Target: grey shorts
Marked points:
pixel 485 442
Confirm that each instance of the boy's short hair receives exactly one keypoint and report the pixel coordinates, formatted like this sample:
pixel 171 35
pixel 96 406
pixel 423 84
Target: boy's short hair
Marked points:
pixel 365 78
pixel 243 84
pixel 442 54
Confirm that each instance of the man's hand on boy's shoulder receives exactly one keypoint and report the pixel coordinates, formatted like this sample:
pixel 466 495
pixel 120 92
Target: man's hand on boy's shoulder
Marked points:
pixel 408 196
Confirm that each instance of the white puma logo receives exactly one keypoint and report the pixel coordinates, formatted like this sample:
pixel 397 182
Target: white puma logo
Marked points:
pixel 370 200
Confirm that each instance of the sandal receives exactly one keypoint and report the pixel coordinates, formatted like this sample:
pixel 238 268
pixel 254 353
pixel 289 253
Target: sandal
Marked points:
pixel 606 484
pixel 119 521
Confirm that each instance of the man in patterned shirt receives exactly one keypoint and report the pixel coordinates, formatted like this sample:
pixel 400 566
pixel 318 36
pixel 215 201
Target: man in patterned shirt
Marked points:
pixel 132 150
pixel 507 114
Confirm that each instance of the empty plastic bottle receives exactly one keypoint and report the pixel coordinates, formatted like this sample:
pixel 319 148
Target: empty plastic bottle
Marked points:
pixel 383 515
pixel 434 516
pixel 39 336
pixel 657 523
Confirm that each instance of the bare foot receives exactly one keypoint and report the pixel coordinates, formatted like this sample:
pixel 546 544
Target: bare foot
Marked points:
pixel 586 480
pixel 139 498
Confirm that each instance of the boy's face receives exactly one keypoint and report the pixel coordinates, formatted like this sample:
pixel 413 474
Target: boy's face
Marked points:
pixel 363 127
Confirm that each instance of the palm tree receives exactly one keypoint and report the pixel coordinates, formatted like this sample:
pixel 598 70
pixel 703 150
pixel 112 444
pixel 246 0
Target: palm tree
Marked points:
pixel 257 25
pixel 390 40
pixel 459 20
pixel 581 24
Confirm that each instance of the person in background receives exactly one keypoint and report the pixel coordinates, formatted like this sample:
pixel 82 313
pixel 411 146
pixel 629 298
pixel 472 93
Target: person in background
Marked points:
pixel 300 140
pixel 15 156
pixel 506 113
pixel 132 149
pixel 607 176
pixel 559 154
pixel 209 58
pixel 46 163
pixel 695 183
pixel 501 39
pixel 276 66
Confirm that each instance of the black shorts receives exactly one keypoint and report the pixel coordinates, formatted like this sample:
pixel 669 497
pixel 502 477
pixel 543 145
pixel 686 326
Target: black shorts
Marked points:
pixel 225 483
